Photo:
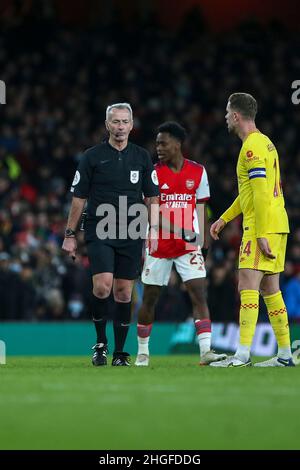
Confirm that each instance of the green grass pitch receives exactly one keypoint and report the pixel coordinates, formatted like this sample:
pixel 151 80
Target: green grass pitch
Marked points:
pixel 66 403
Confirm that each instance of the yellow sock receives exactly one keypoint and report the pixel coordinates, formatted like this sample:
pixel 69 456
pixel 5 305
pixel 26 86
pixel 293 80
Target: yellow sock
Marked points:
pixel 278 318
pixel 248 316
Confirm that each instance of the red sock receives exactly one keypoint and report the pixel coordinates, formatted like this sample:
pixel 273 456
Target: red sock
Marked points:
pixel 144 330
pixel 203 326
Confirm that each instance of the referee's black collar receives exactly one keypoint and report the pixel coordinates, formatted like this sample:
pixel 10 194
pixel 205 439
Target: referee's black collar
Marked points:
pixel 124 151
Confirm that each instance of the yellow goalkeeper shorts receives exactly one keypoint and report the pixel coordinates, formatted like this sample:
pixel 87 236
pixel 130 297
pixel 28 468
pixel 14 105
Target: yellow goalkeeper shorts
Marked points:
pixel 251 257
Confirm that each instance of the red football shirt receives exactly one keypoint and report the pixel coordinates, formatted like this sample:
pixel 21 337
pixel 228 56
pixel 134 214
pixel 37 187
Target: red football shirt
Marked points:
pixel 179 193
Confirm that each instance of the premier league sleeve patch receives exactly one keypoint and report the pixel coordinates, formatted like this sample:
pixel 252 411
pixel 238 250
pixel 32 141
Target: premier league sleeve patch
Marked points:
pixel 76 178
pixel 154 177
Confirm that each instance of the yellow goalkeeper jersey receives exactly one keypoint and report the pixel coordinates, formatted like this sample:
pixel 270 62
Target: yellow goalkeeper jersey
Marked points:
pixel 260 198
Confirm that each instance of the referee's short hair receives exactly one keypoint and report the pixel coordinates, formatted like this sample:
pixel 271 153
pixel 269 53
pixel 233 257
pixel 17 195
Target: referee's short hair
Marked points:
pixel 174 129
pixel 119 106
pixel 244 103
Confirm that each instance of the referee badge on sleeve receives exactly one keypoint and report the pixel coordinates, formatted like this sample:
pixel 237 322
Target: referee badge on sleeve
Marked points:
pixel 134 176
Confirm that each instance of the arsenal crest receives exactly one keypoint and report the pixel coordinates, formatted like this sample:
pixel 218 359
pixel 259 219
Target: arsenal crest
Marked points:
pixel 190 184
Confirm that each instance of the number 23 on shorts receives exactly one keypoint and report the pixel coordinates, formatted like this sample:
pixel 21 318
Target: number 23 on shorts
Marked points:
pixel 197 259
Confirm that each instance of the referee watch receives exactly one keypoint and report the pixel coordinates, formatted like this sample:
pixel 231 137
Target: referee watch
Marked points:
pixel 69 233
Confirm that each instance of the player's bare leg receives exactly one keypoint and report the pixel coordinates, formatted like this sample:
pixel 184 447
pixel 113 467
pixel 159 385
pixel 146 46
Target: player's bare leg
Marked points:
pixel 270 291
pixel 145 321
pixel 197 291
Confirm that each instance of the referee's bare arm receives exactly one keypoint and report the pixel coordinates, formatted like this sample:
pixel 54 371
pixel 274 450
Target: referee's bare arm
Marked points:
pixel 152 204
pixel 70 244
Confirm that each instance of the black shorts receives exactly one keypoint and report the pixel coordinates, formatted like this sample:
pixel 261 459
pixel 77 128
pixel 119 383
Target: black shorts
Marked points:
pixel 123 258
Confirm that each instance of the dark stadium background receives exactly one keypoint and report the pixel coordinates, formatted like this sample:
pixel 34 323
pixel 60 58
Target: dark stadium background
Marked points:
pixel 64 61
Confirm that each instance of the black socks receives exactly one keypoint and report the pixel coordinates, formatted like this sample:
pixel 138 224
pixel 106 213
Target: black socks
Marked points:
pixel 121 324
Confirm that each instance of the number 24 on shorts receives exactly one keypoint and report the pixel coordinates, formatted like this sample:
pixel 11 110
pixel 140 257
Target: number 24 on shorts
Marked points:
pixel 246 249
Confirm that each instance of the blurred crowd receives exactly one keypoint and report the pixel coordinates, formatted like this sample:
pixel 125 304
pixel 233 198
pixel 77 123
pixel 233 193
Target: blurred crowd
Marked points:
pixel 59 83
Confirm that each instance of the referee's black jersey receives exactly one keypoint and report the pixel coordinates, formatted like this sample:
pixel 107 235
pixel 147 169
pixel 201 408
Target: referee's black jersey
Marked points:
pixel 105 173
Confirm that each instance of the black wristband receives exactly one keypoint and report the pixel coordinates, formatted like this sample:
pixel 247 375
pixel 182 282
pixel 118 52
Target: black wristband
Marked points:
pixel 188 236
pixel 82 221
pixel 69 233
pixel 204 253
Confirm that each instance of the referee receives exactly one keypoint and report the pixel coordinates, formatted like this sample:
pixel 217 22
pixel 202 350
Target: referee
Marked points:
pixel 107 173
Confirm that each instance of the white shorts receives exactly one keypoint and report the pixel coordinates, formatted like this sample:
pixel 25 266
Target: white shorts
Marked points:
pixel 156 271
